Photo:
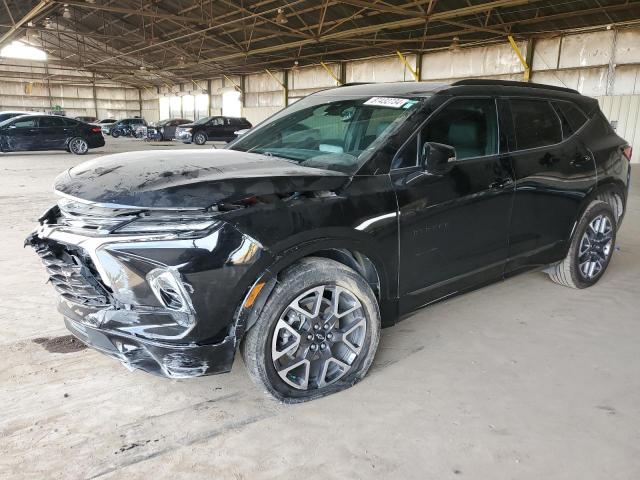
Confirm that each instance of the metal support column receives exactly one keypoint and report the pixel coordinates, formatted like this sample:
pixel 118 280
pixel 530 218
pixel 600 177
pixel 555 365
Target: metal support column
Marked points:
pixel 95 96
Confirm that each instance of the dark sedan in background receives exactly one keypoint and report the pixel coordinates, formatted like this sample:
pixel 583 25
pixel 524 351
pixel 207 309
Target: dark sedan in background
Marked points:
pixel 48 132
pixel 211 128
pixel 165 129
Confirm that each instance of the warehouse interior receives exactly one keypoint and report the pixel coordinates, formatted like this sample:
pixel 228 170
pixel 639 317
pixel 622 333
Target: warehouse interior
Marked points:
pixel 520 379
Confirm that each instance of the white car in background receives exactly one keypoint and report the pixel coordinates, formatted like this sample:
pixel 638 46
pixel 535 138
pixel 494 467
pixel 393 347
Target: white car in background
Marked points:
pixel 105 124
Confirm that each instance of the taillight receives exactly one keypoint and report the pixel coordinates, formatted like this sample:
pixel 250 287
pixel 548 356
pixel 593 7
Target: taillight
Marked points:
pixel 627 152
pixel 96 129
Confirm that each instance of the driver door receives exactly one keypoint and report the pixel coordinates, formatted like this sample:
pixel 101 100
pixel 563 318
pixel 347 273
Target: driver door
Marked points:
pixel 22 134
pixel 215 128
pixel 453 224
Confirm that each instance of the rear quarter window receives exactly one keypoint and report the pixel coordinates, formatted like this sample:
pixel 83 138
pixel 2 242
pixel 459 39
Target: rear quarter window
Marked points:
pixel 571 116
pixel 535 123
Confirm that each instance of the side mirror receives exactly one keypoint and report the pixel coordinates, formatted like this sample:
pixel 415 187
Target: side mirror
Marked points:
pixel 435 157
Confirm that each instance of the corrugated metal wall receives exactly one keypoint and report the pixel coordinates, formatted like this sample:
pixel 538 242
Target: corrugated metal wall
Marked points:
pixel 27 91
pixel 624 113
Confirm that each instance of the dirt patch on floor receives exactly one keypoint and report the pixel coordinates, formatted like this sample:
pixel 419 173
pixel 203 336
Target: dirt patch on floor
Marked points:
pixel 63 344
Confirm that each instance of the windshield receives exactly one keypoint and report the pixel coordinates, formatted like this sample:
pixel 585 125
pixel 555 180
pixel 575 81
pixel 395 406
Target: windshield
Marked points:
pixel 202 121
pixel 9 116
pixel 330 132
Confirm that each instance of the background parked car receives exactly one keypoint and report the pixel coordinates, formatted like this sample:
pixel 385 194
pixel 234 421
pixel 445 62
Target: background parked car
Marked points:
pixel 140 131
pixel 49 132
pixel 127 126
pixel 105 124
pixel 86 119
pixel 211 128
pixel 165 129
pixel 10 114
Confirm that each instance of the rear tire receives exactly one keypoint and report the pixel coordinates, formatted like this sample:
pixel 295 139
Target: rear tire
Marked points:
pixel 200 138
pixel 78 146
pixel 590 250
pixel 317 334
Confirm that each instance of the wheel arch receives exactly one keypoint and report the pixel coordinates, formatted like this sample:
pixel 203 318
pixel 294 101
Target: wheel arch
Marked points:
pixel 353 254
pixel 611 192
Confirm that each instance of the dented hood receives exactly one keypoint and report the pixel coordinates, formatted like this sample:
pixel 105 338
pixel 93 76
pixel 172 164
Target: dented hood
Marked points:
pixel 189 179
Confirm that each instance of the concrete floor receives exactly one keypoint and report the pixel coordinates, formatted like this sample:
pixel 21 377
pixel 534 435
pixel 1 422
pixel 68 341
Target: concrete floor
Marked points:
pixel 520 380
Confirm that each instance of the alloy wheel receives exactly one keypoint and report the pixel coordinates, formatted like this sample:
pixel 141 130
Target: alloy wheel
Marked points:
pixel 78 146
pixel 596 246
pixel 318 337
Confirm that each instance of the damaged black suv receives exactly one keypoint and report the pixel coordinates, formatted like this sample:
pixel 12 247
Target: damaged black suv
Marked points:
pixel 330 220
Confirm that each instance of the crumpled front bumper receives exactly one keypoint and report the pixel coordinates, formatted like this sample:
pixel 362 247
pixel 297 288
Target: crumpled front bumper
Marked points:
pixel 183 136
pixel 108 303
pixel 169 360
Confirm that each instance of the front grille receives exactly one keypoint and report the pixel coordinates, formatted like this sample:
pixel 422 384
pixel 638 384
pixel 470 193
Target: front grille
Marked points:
pixel 71 276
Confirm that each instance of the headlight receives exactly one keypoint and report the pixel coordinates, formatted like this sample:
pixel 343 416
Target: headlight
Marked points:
pixel 185 129
pixel 167 225
pixel 169 289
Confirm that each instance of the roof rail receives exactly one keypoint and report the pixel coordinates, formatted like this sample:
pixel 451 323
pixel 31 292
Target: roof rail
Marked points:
pixel 511 83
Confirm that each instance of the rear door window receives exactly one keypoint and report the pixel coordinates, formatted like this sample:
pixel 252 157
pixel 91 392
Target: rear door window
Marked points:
pixel 535 123
pixel 51 122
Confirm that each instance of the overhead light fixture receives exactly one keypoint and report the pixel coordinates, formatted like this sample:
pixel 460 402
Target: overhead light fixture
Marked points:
pixel 295 64
pixel 181 61
pixel 455 44
pixel 90 1
pixel 67 12
pixel 48 24
pixel 22 51
pixel 281 17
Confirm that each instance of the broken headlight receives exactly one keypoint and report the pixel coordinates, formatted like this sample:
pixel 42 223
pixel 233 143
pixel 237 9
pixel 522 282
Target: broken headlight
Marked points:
pixel 167 225
pixel 169 289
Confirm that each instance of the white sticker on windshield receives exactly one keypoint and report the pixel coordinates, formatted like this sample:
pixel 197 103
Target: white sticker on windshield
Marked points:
pixel 387 102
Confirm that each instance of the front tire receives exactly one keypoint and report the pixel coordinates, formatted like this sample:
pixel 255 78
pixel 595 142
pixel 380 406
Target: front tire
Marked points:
pixel 115 133
pixel 590 250
pixel 200 138
pixel 317 334
pixel 78 146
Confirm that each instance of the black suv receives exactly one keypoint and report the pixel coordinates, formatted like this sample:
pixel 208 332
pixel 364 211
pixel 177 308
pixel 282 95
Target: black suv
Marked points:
pixel 211 128
pixel 49 132
pixel 330 220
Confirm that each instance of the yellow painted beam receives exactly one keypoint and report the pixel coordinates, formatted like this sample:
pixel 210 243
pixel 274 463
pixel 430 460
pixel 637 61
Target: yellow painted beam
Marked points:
pixel 234 83
pixel 406 64
pixel 275 78
pixel 330 72
pixel 527 70
pixel 148 90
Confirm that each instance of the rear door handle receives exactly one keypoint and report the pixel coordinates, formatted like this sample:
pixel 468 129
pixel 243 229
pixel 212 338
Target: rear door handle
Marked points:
pixel 499 184
pixel 582 159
